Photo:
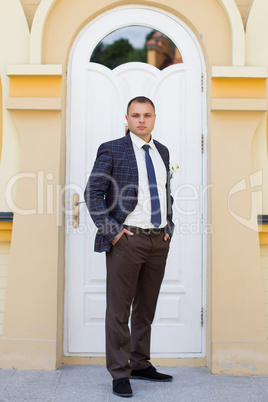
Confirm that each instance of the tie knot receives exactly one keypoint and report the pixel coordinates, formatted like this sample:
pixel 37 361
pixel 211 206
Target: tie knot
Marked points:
pixel 146 147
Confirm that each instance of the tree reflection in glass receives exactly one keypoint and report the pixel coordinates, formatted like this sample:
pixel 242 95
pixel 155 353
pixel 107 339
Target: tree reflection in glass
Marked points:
pixel 136 43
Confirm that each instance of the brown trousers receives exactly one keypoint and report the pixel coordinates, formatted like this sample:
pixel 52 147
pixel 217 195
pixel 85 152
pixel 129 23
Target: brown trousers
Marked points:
pixel 135 270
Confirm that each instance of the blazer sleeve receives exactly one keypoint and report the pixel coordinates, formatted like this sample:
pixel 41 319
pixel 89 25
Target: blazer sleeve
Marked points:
pixel 170 225
pixel 98 185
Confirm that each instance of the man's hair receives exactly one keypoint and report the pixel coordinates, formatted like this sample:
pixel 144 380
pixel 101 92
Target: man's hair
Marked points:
pixel 140 99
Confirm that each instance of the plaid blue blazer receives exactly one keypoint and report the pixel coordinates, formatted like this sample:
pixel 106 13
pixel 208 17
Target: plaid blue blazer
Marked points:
pixel 111 192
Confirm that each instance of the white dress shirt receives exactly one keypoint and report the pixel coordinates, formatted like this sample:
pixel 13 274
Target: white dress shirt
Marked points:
pixel 141 216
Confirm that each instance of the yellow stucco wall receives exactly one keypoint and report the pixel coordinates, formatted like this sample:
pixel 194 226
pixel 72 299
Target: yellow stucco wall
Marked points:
pixel 260 164
pixel 1 117
pixel 35 86
pixel 264 265
pixel 30 7
pixel 59 36
pixel 17 51
pixel 32 321
pixel 244 7
pixel 5 231
pixel 238 315
pixel 4 259
pixel 256 34
pixel 257 55
pixel 236 87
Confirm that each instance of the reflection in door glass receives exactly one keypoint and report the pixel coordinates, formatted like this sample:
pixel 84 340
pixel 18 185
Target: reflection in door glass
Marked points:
pixel 136 43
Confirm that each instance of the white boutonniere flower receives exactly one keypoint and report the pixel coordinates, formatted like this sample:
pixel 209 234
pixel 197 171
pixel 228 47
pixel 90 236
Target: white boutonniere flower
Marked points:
pixel 173 169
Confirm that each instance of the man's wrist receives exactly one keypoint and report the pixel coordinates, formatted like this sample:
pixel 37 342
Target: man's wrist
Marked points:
pixel 115 240
pixel 112 229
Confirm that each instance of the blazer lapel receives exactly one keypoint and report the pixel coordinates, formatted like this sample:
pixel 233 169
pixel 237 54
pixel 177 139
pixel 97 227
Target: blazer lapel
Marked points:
pixel 162 154
pixel 131 158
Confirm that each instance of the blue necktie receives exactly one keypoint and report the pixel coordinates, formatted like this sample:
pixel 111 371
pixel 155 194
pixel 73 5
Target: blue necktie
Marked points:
pixel 155 203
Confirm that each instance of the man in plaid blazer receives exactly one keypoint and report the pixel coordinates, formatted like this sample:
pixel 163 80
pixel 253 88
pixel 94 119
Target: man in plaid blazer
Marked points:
pixel 117 196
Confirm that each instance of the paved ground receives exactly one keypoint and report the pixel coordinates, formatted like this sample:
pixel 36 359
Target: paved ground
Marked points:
pixel 93 384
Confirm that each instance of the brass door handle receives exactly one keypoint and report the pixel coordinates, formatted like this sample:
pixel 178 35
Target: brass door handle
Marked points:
pixel 76 204
pixel 79 202
pixel 75 210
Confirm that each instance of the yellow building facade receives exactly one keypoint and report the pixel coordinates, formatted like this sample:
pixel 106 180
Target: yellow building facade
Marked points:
pixel 232 36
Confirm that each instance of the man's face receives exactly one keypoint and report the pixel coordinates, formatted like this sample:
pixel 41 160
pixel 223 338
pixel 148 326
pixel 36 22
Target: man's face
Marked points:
pixel 141 119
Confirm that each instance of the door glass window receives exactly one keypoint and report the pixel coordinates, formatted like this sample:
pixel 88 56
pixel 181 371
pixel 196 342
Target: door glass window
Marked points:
pixel 136 43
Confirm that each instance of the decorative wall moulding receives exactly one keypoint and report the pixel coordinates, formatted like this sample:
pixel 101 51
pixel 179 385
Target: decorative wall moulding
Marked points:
pixel 239 72
pixel 239 104
pixel 33 104
pixel 34 69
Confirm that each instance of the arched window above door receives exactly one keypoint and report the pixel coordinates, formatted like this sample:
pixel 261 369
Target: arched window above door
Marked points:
pixel 136 43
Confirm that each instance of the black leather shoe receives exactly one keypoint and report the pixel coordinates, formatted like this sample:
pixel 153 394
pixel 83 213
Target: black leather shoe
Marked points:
pixel 122 387
pixel 150 374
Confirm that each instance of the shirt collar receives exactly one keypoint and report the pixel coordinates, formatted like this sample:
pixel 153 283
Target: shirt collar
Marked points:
pixel 139 142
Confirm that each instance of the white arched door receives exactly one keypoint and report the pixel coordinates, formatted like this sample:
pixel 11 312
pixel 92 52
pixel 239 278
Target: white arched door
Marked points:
pixel 97 104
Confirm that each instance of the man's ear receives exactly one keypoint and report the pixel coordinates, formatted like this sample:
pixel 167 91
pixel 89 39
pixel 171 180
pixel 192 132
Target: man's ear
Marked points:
pixel 126 117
